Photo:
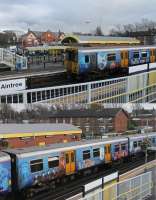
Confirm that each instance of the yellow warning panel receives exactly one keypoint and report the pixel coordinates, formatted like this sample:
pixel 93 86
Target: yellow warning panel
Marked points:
pixel 152 78
pixel 110 190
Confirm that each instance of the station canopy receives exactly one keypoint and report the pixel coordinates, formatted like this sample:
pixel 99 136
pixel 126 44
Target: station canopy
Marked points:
pixel 98 40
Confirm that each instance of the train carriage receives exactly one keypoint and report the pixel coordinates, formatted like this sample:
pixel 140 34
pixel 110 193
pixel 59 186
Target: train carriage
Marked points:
pixel 5 174
pixel 81 61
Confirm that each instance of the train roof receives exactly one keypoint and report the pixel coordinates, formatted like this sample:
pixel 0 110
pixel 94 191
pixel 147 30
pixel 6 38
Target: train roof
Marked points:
pixel 112 48
pixel 34 151
pixel 4 157
pixel 28 130
pixel 138 136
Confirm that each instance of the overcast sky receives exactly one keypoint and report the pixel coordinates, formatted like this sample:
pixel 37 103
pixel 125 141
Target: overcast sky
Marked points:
pixel 72 15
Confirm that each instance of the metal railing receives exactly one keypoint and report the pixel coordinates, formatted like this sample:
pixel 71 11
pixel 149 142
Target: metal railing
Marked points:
pixel 138 88
pixel 137 188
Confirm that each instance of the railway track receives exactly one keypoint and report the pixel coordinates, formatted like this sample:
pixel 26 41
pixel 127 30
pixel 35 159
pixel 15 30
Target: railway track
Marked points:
pixel 74 187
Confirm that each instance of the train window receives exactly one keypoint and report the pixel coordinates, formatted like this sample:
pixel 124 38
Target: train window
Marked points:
pixel 126 55
pixel 96 152
pixel 67 158
pixel 86 155
pixel 144 54
pixel 36 165
pixel 135 144
pixel 105 149
pixel 139 143
pixel 153 140
pixel 86 59
pixel 53 162
pixel 123 147
pixel 111 57
pixel 122 55
pixel 72 157
pixel 109 149
pixel 117 148
pixel 136 55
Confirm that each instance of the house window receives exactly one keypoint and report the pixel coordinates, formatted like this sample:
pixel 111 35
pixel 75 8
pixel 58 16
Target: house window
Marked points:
pixel 86 155
pixel 36 165
pixel 53 162
pixel 96 152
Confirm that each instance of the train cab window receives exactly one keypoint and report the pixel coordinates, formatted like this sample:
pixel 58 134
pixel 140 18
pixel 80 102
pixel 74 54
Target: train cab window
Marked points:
pixel 117 148
pixel 72 157
pixel 123 147
pixel 53 162
pixel 135 144
pixel 136 55
pixel 96 152
pixel 111 57
pixel 36 165
pixel 67 158
pixel 86 155
pixel 144 54
pixel 86 59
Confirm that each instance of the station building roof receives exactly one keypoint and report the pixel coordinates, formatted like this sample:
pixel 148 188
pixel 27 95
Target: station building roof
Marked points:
pixel 104 40
pixel 31 130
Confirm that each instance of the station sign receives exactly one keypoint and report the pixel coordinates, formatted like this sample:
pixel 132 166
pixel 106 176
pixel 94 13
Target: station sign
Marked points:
pixel 11 86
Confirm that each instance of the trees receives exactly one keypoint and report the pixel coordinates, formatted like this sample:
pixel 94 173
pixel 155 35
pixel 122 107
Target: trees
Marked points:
pixel 98 31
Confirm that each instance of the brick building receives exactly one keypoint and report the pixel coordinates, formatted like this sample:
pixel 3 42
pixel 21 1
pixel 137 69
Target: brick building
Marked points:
pixel 27 135
pixel 94 122
pixel 48 37
pixel 142 118
pixel 30 39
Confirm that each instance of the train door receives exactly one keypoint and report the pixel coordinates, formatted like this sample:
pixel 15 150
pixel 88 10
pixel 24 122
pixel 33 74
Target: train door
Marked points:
pixel 152 55
pixel 107 153
pixel 124 58
pixel 70 162
pixel 93 61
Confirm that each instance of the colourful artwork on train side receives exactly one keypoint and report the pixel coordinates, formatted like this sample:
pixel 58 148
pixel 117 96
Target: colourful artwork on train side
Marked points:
pixel 5 177
pixel 101 60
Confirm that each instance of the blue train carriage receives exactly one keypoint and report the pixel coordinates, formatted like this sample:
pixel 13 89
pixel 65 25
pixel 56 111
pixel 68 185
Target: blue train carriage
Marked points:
pixel 120 149
pixel 135 142
pixel 139 56
pixel 99 152
pixel 36 165
pixel 85 60
pixel 5 174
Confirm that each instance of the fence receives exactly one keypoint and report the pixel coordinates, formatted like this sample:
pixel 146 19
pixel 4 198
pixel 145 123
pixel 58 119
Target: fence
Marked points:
pixel 137 188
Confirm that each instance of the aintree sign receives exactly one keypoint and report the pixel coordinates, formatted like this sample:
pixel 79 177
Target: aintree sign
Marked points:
pixel 11 86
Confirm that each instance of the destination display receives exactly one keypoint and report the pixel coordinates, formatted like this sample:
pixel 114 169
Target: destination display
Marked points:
pixel 11 86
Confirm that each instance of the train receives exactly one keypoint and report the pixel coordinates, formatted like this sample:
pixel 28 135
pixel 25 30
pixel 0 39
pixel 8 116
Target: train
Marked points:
pixel 23 169
pixel 84 61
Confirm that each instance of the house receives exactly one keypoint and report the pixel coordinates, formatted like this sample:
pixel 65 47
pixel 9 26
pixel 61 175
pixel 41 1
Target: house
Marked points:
pixel 30 39
pixel 48 37
pixel 94 122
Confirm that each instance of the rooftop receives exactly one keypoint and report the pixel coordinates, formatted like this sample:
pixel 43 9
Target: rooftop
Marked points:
pixel 25 130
